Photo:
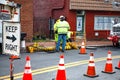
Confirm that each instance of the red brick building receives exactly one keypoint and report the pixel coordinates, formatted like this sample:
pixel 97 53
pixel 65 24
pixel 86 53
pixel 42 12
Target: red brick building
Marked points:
pixel 88 18
pixel 26 17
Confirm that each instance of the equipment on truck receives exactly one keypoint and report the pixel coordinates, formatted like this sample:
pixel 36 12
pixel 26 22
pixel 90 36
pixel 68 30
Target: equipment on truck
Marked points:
pixel 9 11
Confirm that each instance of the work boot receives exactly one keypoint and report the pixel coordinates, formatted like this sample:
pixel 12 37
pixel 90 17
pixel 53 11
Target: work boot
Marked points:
pixel 63 50
pixel 56 50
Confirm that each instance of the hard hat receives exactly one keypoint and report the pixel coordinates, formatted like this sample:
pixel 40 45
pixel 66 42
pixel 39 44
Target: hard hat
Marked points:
pixel 62 16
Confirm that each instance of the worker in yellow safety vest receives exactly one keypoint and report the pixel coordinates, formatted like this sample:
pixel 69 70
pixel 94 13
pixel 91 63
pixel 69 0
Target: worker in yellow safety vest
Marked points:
pixel 69 36
pixel 55 31
pixel 61 27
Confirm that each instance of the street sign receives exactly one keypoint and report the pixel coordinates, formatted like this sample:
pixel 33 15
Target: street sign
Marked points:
pixel 11 38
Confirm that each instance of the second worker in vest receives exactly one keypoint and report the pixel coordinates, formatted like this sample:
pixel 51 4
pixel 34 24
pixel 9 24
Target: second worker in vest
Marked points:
pixel 62 28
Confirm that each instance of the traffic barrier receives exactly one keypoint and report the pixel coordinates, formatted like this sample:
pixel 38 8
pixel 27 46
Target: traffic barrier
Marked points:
pixel 61 73
pixel 27 72
pixel 108 66
pixel 91 67
pixel 83 48
pixel 118 67
pixel 14 57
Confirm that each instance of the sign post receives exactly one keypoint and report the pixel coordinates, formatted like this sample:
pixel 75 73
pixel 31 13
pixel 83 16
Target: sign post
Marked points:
pixel 11 42
pixel 11 69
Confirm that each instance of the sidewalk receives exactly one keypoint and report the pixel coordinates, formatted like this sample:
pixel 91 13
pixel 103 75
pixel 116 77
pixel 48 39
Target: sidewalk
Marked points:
pixel 99 43
pixel 88 43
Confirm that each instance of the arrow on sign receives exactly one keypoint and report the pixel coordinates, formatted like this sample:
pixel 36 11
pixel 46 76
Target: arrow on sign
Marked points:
pixel 13 38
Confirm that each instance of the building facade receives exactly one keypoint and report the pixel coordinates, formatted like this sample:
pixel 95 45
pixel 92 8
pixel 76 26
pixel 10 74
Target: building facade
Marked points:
pixel 97 17
pixel 90 19
pixel 26 19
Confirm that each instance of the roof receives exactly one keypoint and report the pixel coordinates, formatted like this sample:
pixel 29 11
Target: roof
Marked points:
pixel 99 5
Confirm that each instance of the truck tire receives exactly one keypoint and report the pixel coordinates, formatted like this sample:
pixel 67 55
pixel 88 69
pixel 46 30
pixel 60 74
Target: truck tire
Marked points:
pixel 115 44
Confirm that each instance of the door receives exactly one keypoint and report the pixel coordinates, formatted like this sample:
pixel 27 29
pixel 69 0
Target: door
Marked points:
pixel 80 27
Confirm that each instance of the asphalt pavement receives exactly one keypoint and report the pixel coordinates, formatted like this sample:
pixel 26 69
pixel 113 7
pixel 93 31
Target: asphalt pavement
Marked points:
pixel 44 65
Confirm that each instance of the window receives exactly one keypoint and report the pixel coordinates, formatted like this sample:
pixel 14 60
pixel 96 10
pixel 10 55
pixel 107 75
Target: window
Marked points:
pixel 104 22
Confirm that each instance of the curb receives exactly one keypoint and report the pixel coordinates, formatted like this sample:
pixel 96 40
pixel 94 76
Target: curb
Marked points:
pixel 97 46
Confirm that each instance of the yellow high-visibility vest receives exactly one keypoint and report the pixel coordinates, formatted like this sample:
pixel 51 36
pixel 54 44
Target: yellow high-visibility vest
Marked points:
pixel 62 27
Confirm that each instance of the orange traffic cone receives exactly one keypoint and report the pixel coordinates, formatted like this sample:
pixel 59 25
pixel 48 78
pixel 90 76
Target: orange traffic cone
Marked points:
pixel 27 72
pixel 61 73
pixel 83 48
pixel 109 66
pixel 91 67
pixel 118 67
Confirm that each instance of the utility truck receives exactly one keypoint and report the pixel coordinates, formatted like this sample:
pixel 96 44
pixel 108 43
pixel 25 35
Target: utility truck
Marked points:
pixel 115 35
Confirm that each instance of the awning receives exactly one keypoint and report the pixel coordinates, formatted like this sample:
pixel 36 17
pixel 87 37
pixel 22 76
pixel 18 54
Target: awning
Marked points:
pixel 98 5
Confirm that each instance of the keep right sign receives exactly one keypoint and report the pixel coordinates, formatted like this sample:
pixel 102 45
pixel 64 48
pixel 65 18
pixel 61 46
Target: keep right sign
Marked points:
pixel 11 38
